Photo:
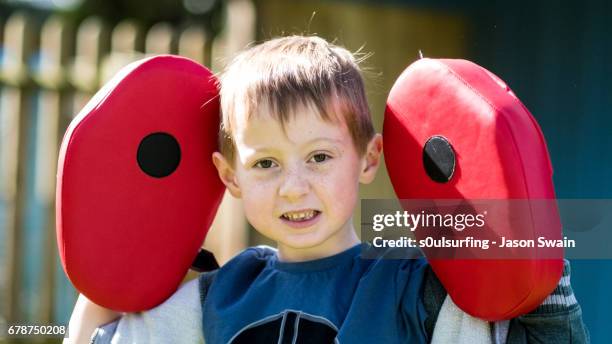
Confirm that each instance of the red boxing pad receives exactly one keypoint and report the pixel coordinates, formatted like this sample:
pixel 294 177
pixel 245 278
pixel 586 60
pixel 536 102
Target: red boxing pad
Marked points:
pixel 496 152
pixel 136 187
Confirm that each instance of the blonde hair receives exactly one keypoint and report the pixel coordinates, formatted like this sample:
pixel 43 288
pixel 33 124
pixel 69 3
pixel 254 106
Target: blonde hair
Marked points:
pixel 286 73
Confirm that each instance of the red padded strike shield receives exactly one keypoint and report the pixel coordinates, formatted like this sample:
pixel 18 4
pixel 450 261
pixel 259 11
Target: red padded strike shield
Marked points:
pixel 136 187
pixel 499 153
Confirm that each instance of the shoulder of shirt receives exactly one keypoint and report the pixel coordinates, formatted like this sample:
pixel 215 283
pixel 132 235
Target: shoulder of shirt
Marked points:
pixel 181 300
pixel 179 317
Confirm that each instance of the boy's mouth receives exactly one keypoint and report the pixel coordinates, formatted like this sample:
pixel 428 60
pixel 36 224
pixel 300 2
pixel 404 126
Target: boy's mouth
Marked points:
pixel 300 215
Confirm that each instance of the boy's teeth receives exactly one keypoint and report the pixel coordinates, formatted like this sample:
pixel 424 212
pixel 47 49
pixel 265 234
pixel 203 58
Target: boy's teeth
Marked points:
pixel 300 216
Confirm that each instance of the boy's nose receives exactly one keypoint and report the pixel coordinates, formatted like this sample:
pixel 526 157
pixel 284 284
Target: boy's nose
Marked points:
pixel 294 185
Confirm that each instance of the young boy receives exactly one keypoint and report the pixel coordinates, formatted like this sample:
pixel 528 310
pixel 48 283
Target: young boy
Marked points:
pixel 295 143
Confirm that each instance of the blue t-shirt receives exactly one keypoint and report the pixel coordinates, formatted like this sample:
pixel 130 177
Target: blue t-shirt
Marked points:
pixel 255 298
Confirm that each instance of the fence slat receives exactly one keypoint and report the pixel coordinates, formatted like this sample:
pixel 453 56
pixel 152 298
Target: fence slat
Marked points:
pixel 19 42
pixel 126 42
pixel 92 43
pixel 194 44
pixel 55 50
pixel 159 39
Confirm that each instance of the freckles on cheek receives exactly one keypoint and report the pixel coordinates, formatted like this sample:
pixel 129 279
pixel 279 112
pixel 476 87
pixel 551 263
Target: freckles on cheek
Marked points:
pixel 251 190
pixel 341 187
pixel 256 196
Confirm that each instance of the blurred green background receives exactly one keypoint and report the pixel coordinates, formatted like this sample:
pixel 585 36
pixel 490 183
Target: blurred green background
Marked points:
pixel 55 54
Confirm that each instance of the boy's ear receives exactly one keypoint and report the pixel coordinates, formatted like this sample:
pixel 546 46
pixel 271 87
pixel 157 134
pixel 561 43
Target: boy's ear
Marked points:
pixel 371 160
pixel 227 174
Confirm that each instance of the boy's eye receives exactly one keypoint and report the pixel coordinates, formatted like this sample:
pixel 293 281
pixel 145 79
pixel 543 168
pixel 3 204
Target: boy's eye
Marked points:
pixel 320 157
pixel 265 163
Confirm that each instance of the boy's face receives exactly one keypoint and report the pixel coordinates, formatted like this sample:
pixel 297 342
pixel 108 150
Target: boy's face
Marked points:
pixel 299 186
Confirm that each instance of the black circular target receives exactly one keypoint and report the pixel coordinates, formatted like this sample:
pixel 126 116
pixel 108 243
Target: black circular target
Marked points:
pixel 439 159
pixel 158 155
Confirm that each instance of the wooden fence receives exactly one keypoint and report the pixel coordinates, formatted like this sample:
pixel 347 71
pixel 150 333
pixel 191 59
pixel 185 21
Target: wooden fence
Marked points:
pixel 48 71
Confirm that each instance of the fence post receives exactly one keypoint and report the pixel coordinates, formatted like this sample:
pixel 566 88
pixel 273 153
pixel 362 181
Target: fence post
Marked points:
pixel 55 48
pixel 159 39
pixel 19 41
pixel 194 44
pixel 126 47
pixel 92 43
